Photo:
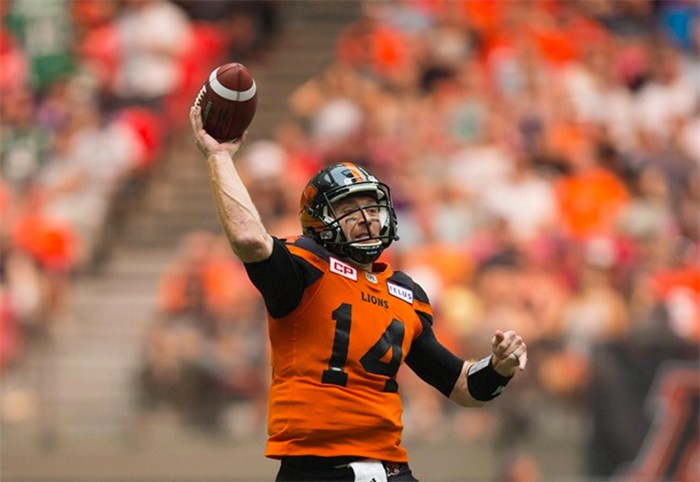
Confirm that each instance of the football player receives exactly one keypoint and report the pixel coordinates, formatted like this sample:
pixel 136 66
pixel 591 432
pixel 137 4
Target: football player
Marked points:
pixel 341 324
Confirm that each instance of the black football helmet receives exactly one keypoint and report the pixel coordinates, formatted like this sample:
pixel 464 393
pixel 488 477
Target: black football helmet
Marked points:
pixel 320 222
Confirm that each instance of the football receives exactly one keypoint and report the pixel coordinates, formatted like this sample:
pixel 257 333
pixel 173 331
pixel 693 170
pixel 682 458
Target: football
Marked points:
pixel 228 100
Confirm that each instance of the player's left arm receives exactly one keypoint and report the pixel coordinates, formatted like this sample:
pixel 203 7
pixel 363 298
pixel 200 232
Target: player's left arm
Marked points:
pixel 469 384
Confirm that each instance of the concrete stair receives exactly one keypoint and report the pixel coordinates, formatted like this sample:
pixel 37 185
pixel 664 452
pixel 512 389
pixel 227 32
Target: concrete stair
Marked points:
pixel 84 376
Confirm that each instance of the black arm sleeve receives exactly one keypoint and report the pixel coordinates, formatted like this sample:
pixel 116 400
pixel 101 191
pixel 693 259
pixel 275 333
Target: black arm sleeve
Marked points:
pixel 432 362
pixel 281 279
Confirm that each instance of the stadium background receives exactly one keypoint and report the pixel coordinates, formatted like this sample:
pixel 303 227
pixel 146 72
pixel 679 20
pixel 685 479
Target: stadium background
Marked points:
pixel 544 157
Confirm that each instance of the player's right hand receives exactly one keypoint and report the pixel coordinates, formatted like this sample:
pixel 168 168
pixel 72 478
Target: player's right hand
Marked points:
pixel 206 144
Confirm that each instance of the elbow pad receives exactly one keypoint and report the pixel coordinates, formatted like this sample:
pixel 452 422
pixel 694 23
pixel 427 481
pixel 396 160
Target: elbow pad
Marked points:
pixel 484 383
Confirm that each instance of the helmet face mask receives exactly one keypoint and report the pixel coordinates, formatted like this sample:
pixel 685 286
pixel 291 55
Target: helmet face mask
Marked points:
pixel 320 221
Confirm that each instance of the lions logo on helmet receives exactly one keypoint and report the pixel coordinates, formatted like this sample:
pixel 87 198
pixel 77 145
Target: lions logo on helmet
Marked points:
pixel 320 222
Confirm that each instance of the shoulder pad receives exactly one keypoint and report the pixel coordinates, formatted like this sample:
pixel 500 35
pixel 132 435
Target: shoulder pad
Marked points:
pixel 402 279
pixel 308 249
pixel 421 303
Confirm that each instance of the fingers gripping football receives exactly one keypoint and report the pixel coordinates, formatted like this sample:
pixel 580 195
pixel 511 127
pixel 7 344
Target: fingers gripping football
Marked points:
pixel 206 144
pixel 509 353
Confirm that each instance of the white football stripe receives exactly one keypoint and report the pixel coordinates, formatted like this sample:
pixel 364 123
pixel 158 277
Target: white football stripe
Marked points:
pixel 229 94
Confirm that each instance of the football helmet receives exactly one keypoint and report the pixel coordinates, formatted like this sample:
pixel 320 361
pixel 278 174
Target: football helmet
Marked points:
pixel 320 222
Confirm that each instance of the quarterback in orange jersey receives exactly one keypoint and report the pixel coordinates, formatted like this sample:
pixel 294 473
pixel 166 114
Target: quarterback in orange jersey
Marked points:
pixel 341 324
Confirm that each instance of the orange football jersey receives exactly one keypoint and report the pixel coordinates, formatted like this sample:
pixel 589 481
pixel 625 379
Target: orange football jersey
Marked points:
pixel 335 358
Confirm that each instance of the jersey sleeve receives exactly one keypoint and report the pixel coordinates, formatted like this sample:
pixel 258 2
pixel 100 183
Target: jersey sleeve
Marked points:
pixel 282 278
pixel 432 362
pixel 421 303
pixel 428 358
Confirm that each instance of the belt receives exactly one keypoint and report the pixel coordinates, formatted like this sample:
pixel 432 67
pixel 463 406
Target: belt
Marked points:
pixel 312 462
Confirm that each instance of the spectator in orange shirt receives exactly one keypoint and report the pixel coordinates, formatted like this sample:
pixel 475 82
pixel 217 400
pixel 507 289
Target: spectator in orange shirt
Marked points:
pixel 590 197
pixel 372 44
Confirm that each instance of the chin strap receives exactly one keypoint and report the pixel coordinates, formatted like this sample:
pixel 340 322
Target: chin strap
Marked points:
pixel 363 253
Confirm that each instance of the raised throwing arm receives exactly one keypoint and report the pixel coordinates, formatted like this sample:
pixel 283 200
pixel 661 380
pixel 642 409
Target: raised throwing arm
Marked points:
pixel 237 213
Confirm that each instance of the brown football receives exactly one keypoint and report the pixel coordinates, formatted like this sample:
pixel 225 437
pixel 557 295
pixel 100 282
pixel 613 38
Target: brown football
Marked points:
pixel 228 100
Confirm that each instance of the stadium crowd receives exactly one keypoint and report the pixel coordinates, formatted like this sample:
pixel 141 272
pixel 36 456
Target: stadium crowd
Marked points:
pixel 544 158
pixel 92 93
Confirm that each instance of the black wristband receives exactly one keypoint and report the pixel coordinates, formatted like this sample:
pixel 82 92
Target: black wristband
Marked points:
pixel 485 383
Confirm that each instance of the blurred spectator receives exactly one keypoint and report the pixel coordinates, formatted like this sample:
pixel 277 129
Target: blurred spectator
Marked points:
pixel 25 145
pixel 374 44
pixel 302 158
pixel 182 288
pixel 15 68
pixel 22 291
pixel 45 31
pixel 679 22
pixel 205 349
pixel 596 313
pixel 89 164
pixel 668 95
pixel 51 242
pixel 151 37
pixel 269 178
pixel 524 200
pixel 649 218
pixel 590 198
pixel 249 27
